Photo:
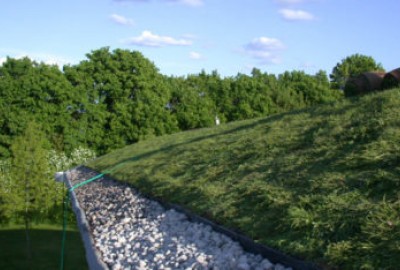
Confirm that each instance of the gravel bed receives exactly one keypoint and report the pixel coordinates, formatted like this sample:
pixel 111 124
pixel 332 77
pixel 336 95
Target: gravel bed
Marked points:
pixel 133 232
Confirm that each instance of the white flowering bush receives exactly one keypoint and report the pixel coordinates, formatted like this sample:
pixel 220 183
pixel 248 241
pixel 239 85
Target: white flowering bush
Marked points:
pixel 5 180
pixel 51 203
pixel 58 161
pixel 81 155
pixel 61 162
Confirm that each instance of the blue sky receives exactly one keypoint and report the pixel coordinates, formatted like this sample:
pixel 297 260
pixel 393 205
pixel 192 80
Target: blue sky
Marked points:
pixel 185 36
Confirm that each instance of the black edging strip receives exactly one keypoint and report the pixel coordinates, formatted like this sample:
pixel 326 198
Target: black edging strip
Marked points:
pixel 247 243
pixel 93 257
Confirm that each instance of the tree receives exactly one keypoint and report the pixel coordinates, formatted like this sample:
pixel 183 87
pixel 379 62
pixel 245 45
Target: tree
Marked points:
pixel 191 103
pixel 352 66
pixel 250 96
pixel 6 192
pixel 309 89
pixel 31 90
pixel 32 186
pixel 126 98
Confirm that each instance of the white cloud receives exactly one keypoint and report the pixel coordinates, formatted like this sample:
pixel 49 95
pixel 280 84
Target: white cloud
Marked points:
pixel 121 20
pixel 265 43
pixel 307 65
pixel 195 56
pixel 131 1
pixel 51 59
pixel 296 15
pixel 193 3
pixel 47 58
pixel 265 49
pixel 189 36
pixel 2 60
pixel 288 2
pixel 148 39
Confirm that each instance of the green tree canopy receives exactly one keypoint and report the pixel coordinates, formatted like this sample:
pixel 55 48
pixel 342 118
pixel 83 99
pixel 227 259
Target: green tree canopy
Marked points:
pixel 125 98
pixel 29 170
pixel 115 98
pixel 33 91
pixel 33 191
pixel 352 66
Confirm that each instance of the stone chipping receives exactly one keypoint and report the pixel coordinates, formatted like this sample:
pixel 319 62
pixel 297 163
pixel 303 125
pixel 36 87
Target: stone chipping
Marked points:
pixel 132 232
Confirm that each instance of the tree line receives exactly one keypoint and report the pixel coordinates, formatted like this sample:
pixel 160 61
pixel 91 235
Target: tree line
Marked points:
pixel 115 98
pixel 52 119
pixel 28 192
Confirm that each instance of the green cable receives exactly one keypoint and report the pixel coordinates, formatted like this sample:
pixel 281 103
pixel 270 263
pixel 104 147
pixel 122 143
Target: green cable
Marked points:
pixel 86 182
pixel 66 200
pixel 65 208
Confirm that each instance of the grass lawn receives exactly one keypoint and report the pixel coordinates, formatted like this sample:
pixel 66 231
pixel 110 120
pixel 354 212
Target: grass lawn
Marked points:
pixel 321 183
pixel 46 248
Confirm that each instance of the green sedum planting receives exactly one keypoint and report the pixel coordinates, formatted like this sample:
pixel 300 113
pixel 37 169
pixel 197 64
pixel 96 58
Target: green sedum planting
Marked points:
pixel 322 184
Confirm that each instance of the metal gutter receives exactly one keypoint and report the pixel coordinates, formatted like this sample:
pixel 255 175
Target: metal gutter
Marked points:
pixel 93 257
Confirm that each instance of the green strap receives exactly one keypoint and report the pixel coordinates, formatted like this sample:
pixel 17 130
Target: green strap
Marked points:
pixel 86 182
pixel 67 197
pixel 64 235
pixel 65 212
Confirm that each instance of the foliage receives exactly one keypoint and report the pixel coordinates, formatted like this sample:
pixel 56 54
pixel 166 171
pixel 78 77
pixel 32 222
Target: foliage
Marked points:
pixel 59 161
pixel 11 190
pixel 50 118
pixel 124 101
pixel 30 190
pixel 320 183
pixel 6 187
pixel 352 66
pixel 31 187
pixel 115 98
pixel 46 243
pixel 190 102
pixel 31 91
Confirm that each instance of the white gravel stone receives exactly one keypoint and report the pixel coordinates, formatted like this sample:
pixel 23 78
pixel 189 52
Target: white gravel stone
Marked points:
pixel 132 232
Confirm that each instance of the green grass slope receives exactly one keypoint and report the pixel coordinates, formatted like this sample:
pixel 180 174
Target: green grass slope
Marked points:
pixel 45 247
pixel 322 184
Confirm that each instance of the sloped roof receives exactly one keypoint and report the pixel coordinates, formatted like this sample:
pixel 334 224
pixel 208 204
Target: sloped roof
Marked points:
pixel 391 79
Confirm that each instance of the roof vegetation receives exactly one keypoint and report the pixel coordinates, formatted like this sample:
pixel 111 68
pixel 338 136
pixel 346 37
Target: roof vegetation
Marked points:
pixel 320 183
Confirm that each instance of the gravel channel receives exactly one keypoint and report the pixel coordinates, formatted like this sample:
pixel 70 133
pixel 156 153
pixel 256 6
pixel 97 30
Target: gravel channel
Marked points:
pixel 133 232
